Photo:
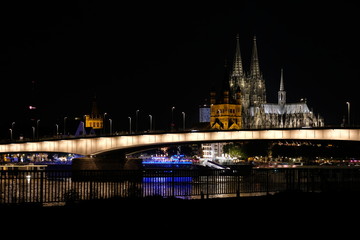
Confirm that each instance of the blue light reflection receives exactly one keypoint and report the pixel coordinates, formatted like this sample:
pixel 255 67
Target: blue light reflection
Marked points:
pixel 166 179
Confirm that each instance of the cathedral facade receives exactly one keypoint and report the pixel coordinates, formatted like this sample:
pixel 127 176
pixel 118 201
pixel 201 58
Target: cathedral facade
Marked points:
pixel 257 113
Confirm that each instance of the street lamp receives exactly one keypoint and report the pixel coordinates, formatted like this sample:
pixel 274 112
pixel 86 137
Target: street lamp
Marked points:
pixel 37 127
pixel 104 122
pixel 64 126
pixel 348 104
pixel 33 130
pixel 183 113
pixel 129 125
pixel 137 119
pixel 12 128
pixel 110 120
pixel 57 130
pixel 172 118
pixel 11 137
pixel 150 123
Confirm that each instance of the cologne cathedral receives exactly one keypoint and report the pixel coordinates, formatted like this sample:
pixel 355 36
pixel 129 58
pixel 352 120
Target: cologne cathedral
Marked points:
pixel 256 112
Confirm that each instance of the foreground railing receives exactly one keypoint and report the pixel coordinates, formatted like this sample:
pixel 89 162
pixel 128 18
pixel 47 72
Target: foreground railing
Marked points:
pixel 51 186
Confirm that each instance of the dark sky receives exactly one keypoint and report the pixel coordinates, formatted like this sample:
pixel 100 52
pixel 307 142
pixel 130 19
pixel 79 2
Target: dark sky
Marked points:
pixel 152 57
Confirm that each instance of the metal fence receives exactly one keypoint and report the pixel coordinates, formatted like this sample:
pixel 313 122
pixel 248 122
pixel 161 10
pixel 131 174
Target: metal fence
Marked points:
pixel 54 186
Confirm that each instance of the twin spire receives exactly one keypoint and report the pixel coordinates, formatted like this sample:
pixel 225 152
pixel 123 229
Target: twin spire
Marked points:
pixel 254 67
pixel 238 67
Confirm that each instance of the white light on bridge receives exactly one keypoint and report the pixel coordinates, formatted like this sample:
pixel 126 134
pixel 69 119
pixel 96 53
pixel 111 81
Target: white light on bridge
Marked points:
pixel 195 136
pixel 87 146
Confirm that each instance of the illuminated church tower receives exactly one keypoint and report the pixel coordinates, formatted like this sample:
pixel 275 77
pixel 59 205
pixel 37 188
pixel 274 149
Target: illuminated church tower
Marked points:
pixel 225 108
pixel 252 87
pixel 257 83
pixel 95 119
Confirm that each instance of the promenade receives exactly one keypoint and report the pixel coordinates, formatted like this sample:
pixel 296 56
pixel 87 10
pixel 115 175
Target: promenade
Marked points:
pixel 276 201
pixel 304 213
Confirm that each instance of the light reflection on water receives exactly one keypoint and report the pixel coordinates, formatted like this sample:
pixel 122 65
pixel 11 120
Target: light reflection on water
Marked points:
pixel 167 186
pixel 166 179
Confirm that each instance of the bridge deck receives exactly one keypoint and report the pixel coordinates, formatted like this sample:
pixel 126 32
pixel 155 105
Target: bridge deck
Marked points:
pixel 96 145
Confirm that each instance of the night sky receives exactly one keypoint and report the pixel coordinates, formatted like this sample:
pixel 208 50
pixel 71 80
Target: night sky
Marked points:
pixel 154 57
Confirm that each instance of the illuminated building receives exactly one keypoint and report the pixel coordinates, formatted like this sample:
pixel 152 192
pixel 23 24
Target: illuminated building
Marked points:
pixel 204 113
pixel 225 109
pixel 225 114
pixel 211 151
pixel 256 112
pixel 246 93
pixel 95 120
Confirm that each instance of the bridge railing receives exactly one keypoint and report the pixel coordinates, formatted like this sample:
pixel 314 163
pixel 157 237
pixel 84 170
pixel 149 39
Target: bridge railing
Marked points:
pixel 64 186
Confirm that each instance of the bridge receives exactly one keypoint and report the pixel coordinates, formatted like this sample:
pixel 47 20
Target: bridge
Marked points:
pixel 93 146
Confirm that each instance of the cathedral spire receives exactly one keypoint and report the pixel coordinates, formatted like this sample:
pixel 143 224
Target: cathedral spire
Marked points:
pixel 282 93
pixel 281 81
pixel 254 68
pixel 258 89
pixel 237 76
pixel 237 67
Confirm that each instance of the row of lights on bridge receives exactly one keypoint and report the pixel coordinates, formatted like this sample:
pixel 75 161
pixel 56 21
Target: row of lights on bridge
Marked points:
pixel 36 130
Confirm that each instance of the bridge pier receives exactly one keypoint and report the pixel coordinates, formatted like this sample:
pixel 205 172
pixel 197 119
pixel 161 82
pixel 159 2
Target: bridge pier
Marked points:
pixel 116 160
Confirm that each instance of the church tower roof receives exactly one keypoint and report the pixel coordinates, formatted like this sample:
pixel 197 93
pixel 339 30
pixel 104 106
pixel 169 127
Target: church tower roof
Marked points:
pixel 281 92
pixel 282 81
pixel 94 107
pixel 237 66
pixel 255 68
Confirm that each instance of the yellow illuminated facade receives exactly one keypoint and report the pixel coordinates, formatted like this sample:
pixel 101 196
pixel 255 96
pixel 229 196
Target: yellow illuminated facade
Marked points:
pixel 225 112
pixel 94 121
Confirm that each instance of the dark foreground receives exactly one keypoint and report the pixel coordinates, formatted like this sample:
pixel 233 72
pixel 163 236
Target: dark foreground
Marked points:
pixel 279 201
pixel 303 214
